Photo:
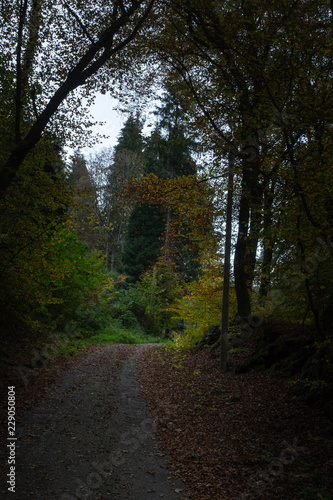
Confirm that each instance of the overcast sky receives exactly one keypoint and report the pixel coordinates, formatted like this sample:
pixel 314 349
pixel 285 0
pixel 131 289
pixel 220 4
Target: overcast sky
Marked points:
pixel 104 110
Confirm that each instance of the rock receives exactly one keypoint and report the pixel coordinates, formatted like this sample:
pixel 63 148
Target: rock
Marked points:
pixel 210 337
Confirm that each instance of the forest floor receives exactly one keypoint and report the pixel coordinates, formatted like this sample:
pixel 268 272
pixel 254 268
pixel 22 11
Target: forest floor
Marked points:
pixel 139 422
pixel 244 436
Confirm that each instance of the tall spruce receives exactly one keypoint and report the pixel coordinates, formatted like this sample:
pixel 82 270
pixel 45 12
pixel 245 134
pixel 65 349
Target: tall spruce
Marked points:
pixel 127 164
pixel 167 154
pixel 143 239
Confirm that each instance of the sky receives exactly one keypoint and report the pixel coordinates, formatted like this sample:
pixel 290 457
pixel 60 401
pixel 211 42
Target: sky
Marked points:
pixel 104 110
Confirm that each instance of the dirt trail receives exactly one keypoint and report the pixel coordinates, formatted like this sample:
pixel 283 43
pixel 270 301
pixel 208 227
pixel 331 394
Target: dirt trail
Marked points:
pixel 92 437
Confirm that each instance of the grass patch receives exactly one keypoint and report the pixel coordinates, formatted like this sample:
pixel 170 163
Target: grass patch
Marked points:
pixel 116 333
pixel 113 332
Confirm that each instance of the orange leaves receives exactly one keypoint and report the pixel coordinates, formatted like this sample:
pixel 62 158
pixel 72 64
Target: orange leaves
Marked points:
pixel 184 197
pixel 148 190
pixel 164 192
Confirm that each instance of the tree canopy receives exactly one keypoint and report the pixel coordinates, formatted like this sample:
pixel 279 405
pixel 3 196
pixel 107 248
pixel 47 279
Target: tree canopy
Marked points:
pixel 59 48
pixel 251 81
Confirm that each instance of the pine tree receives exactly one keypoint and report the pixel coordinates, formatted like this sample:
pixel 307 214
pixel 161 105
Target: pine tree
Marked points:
pixel 143 239
pixel 167 154
pixel 168 149
pixel 84 212
pixel 130 138
pixel 127 164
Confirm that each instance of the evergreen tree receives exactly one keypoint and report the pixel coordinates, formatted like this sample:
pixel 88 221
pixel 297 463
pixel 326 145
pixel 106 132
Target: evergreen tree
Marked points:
pixel 168 149
pixel 130 138
pixel 167 154
pixel 143 239
pixel 85 211
pixel 127 164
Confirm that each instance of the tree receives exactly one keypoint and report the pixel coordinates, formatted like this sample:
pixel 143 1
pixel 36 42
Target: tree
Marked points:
pixel 85 211
pixel 226 270
pixel 130 137
pixel 206 39
pixel 65 62
pixel 189 201
pixel 142 245
pixel 126 164
pixel 170 148
pixel 246 71
pixel 34 210
pixel 167 155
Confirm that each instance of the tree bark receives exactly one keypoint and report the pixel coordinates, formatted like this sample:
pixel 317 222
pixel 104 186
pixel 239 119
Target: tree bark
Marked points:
pixel 18 96
pixel 265 279
pixel 86 67
pixel 226 270
pixel 242 293
pixel 253 238
pixel 249 221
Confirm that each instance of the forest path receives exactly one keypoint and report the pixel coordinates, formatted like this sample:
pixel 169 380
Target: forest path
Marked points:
pixel 92 437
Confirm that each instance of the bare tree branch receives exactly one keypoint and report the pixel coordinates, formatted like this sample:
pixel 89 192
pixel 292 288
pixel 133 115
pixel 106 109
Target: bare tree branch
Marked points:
pixel 86 67
pixel 78 20
pixel 18 98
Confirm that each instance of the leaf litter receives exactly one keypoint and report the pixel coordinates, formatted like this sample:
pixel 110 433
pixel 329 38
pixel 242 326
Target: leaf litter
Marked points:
pixel 244 436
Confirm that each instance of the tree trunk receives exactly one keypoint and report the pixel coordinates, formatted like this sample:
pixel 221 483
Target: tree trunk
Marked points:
pixel 312 304
pixel 252 241
pixel 226 270
pixel 242 293
pixel 249 221
pixel 265 279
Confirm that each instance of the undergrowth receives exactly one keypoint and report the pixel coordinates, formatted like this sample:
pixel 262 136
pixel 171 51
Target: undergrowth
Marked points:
pixel 112 333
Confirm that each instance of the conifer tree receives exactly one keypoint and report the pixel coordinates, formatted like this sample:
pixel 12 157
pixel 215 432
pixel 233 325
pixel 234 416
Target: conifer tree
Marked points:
pixel 168 149
pixel 127 164
pixel 143 239
pixel 85 211
pixel 167 154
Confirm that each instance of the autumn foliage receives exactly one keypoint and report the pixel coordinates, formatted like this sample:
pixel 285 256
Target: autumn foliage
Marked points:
pixel 188 201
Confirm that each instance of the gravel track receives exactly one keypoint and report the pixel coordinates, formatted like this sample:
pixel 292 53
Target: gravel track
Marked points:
pixel 92 437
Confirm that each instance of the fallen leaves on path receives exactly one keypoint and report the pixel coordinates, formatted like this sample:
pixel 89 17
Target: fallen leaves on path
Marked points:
pixel 246 436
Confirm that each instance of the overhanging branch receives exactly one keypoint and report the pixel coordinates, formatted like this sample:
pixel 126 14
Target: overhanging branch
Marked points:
pixel 78 20
pixel 86 67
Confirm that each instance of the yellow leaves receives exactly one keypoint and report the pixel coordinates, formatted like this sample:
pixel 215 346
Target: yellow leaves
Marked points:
pixel 200 306
pixel 187 200
pixel 186 340
pixel 120 279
